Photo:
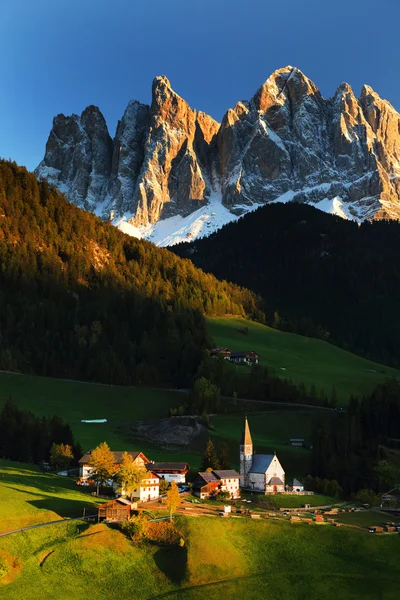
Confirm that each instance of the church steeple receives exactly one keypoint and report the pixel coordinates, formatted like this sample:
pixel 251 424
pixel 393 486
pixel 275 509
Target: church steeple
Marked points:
pixel 246 454
pixel 246 437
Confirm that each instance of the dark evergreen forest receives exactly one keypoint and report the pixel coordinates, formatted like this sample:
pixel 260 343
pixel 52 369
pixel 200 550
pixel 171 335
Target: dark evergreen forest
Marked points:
pixel 356 448
pixel 318 275
pixel 81 300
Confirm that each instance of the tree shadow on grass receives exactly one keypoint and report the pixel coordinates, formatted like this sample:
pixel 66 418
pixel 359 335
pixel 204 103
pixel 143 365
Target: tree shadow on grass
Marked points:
pixel 172 561
pixel 64 508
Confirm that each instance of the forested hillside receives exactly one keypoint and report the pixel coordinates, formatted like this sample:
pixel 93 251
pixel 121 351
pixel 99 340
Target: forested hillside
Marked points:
pixel 319 275
pixel 79 299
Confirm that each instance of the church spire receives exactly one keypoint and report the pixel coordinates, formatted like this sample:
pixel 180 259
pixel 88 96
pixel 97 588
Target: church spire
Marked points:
pixel 246 437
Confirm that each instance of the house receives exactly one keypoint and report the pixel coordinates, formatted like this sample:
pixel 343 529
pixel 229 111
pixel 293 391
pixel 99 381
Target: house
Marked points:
pixel 247 357
pixel 296 486
pixel 170 471
pixel 259 472
pixel 209 484
pixel 116 510
pixel 223 353
pixel 149 487
pixel 85 471
pixel 297 442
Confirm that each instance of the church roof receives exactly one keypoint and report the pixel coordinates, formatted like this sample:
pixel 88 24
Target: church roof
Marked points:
pixel 275 481
pixel 261 463
pixel 246 437
pixel 227 474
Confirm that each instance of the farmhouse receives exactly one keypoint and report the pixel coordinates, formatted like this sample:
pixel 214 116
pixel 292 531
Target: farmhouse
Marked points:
pixel 170 471
pixel 259 472
pixel 245 357
pixel 116 510
pixel 209 484
pixel 149 487
pixel 85 471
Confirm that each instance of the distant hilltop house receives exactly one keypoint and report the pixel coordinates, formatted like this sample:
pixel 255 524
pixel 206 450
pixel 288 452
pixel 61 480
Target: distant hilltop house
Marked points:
pixel 244 357
pixel 149 487
pixel 170 471
pixel 259 472
pixel 221 353
pixel 209 484
pixel 297 442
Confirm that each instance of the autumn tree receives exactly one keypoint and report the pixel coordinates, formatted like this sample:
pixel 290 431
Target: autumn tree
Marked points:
pixel 130 475
pixel 173 499
pixel 61 455
pixel 210 458
pixel 102 464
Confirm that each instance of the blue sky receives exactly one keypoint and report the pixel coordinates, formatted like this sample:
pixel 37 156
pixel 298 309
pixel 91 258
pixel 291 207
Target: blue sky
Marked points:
pixel 58 56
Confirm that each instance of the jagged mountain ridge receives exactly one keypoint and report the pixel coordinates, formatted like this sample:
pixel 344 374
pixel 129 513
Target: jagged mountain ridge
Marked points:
pixel 173 173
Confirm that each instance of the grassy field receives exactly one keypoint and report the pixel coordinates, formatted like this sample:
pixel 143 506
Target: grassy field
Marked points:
pixel 303 359
pixel 285 501
pixel 74 401
pixel 255 559
pixel 29 497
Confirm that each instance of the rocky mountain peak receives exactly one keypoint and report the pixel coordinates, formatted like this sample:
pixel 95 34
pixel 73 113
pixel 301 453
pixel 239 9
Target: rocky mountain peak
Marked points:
pixel 169 160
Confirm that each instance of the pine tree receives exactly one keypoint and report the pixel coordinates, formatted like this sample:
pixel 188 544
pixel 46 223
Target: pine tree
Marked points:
pixel 224 458
pixel 210 459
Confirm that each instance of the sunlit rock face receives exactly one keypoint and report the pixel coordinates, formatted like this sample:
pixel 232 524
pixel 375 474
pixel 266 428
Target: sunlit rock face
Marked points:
pixel 287 141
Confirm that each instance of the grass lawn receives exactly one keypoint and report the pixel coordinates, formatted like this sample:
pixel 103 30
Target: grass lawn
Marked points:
pixel 365 518
pixel 303 359
pixel 288 501
pixel 28 497
pixel 74 401
pixel 222 557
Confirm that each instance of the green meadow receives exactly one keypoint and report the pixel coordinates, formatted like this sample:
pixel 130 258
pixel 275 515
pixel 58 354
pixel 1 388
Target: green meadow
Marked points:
pixel 265 559
pixel 271 430
pixel 302 359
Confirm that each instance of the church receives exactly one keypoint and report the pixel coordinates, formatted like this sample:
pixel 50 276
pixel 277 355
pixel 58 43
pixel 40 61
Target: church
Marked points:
pixel 259 472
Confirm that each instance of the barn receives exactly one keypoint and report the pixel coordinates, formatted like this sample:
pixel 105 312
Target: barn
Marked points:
pixel 116 510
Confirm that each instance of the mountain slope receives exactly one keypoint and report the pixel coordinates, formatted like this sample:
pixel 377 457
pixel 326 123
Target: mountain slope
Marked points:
pixel 326 277
pixel 81 300
pixel 170 167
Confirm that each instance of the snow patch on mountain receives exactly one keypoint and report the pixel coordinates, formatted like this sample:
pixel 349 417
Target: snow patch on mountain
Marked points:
pixel 174 230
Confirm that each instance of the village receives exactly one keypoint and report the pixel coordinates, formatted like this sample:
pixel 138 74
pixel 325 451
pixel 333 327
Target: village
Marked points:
pixel 215 492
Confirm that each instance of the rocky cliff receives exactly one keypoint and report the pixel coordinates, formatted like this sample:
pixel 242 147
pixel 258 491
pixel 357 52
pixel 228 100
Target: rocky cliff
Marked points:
pixel 287 143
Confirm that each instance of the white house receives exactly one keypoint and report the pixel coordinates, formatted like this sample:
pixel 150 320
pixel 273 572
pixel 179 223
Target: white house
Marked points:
pixel 259 472
pixel 170 471
pixel 149 487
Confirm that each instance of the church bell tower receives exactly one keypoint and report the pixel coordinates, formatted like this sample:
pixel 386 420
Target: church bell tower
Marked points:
pixel 246 454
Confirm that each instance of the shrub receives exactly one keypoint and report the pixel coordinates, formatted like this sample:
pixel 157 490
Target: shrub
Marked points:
pixel 163 532
pixel 135 528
